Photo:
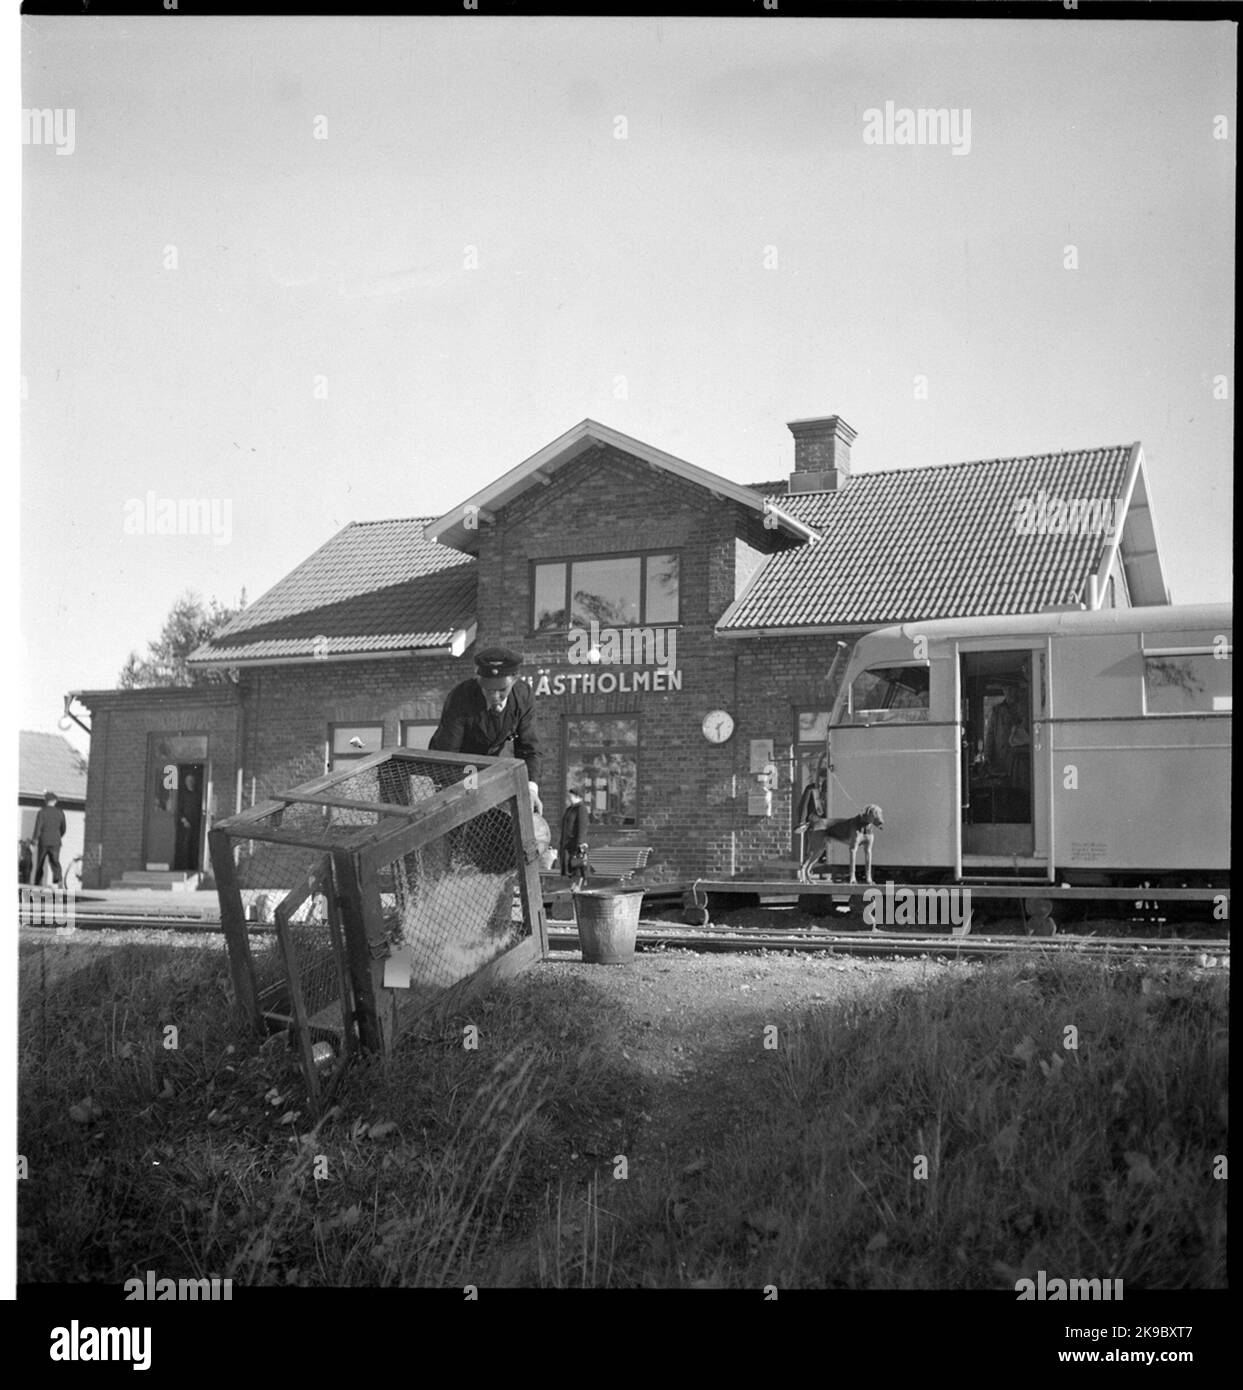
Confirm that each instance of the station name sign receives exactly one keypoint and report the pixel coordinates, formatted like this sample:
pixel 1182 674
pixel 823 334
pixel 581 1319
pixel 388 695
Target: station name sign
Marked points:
pixel 604 682
pixel 602 650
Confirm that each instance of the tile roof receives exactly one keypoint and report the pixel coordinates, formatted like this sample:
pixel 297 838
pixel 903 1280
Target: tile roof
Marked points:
pixel 49 762
pixel 934 542
pixel 375 586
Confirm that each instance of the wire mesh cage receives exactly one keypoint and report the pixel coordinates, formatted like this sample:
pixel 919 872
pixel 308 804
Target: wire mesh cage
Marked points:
pixel 389 883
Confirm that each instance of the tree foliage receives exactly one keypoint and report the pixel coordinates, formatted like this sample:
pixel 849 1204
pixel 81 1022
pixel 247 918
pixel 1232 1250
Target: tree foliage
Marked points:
pixel 189 624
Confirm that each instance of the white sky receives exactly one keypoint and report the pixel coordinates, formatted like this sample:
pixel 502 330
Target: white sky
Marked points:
pixel 598 258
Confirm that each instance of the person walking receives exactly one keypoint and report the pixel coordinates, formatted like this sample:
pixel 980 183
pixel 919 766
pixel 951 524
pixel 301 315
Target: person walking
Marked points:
pixel 574 840
pixel 48 835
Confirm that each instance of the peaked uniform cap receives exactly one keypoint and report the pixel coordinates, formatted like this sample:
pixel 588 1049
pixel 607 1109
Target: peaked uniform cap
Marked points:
pixel 497 661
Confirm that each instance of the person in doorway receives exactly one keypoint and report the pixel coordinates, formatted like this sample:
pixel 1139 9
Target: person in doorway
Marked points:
pixel 1008 738
pixel 491 711
pixel 574 839
pixel 25 861
pixel 189 823
pixel 49 833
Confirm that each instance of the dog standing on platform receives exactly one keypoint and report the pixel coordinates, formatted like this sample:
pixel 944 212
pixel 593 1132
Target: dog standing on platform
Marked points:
pixel 853 831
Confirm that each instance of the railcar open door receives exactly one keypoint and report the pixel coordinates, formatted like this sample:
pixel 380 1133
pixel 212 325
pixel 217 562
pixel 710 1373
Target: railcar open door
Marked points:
pixel 1004 772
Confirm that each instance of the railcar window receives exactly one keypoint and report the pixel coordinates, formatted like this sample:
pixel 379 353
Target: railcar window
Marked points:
pixel 890 695
pixel 1193 684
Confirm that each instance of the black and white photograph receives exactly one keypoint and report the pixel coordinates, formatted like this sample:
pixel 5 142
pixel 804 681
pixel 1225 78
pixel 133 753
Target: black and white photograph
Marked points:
pixel 624 648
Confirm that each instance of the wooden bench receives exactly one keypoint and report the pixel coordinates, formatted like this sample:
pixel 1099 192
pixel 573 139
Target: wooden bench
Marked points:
pixel 618 861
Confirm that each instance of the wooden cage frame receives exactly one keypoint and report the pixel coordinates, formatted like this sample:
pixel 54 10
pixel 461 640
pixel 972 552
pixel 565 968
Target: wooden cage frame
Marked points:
pixel 371 1014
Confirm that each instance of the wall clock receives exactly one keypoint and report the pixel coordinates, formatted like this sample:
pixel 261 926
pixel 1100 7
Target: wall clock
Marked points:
pixel 718 725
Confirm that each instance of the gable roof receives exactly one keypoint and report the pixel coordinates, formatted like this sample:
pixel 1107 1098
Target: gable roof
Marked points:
pixel 375 588
pixel 49 762
pixel 942 542
pixel 451 529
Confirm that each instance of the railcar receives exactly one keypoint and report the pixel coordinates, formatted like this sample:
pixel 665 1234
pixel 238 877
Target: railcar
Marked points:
pixel 1082 748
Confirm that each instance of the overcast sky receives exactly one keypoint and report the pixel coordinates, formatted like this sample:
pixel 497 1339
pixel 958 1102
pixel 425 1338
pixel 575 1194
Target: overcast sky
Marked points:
pixel 219 305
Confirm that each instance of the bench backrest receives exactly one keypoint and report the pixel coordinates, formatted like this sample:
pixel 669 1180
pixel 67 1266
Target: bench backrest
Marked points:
pixel 618 861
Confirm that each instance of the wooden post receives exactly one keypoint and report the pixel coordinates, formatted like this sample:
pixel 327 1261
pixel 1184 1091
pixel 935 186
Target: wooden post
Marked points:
pixel 349 1019
pixel 233 924
pixel 302 1034
pixel 530 891
pixel 366 970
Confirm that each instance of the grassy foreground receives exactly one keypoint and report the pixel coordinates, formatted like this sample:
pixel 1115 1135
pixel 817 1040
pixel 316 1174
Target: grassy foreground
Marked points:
pixel 942 1136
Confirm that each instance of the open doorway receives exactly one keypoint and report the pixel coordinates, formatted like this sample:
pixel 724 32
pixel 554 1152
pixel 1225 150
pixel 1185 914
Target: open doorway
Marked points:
pixel 997 753
pixel 176 803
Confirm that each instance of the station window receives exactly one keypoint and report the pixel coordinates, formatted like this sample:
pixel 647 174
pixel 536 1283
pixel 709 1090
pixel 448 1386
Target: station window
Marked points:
pixel 602 761
pixel 1186 680
pixel 889 695
pixel 612 590
pixel 350 742
pixel 417 733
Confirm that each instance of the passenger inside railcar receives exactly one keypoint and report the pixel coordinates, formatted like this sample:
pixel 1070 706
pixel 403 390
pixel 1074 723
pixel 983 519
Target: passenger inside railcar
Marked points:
pixel 1004 766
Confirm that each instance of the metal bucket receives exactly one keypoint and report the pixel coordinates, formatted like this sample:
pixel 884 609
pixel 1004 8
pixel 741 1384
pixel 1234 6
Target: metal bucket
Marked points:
pixel 608 922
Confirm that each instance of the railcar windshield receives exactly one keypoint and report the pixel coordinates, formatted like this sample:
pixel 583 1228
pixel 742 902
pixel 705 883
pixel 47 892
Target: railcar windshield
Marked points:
pixel 888 695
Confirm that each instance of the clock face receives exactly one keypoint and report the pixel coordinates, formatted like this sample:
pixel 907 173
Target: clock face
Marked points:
pixel 718 725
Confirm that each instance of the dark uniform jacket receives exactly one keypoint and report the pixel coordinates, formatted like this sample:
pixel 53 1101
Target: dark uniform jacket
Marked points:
pixel 49 827
pixel 467 727
pixel 573 828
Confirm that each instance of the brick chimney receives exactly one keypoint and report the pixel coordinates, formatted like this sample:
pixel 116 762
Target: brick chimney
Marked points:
pixel 821 454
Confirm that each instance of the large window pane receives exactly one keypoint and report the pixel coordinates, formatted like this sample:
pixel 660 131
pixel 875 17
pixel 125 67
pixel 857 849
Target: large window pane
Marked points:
pixel 662 589
pixel 601 761
pixel 606 591
pixel 890 695
pixel 1198 684
pixel 550 597
pixel 603 733
pixel 813 725
pixel 417 733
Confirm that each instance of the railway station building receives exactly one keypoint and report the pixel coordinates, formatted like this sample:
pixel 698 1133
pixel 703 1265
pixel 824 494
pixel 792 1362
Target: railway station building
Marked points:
pixel 684 634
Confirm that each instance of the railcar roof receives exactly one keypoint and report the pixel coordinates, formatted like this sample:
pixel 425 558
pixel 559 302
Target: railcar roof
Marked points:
pixel 1162 618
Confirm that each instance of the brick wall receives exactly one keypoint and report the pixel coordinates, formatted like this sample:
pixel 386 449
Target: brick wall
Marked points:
pixel 289 709
pixel 692 794
pixel 119 777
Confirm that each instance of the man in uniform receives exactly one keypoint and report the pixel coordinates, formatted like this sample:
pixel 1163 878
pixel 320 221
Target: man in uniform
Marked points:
pixel 491 709
pixel 49 832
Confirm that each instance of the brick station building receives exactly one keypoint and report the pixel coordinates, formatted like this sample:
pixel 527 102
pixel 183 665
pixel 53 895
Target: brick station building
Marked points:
pixel 723 616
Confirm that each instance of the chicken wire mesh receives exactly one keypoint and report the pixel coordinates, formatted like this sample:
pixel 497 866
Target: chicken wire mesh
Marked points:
pixel 267 873
pixel 454 904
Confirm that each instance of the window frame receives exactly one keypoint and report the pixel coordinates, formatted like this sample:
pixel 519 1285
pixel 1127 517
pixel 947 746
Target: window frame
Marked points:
pixel 337 760
pixel 925 665
pixel 432 724
pixel 636 749
pixel 1148 653
pixel 569 561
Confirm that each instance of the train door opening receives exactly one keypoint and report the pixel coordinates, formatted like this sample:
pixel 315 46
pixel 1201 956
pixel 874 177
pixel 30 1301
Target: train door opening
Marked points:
pixel 998 805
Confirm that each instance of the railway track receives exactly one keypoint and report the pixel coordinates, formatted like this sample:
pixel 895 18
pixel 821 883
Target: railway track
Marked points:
pixel 655 934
